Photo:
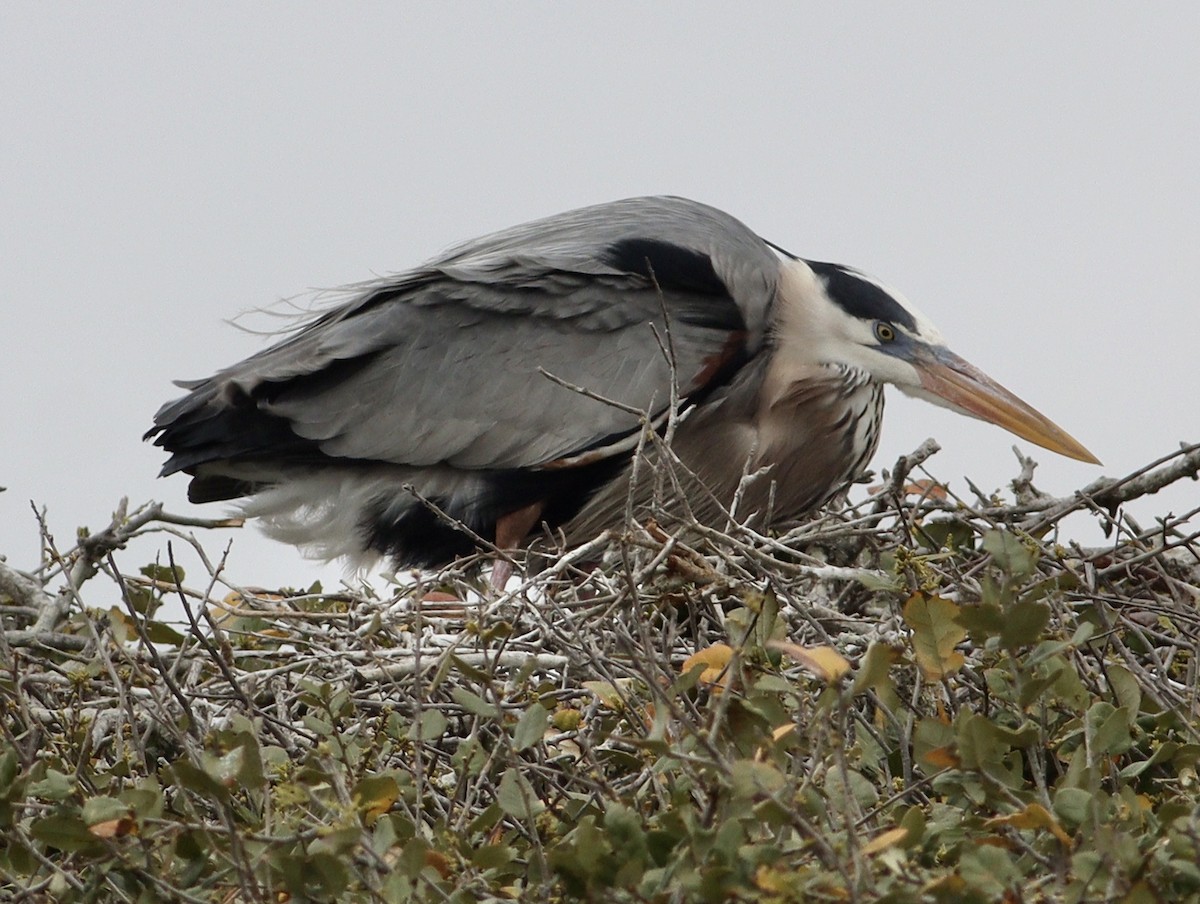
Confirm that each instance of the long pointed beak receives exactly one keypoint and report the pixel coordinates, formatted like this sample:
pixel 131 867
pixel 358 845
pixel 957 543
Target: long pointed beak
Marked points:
pixel 964 386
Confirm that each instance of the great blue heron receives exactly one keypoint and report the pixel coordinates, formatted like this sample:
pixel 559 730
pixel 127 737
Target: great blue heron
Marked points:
pixel 505 386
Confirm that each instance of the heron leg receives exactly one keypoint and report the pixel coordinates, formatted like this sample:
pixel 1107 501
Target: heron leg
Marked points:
pixel 511 529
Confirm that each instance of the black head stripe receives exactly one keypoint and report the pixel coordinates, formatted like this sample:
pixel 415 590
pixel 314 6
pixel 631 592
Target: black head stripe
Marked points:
pixel 860 297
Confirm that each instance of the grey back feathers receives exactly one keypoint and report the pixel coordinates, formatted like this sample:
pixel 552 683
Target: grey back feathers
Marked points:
pixel 513 371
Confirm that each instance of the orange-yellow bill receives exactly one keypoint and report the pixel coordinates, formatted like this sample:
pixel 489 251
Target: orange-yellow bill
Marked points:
pixel 965 386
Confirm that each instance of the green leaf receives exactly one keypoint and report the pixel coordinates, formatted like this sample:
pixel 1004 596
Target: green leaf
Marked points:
pixel 412 858
pixel 931 735
pixel 515 796
pixel 471 756
pixel 1010 553
pixel 935 634
pixel 1108 729
pixel 769 625
pixel 484 822
pixel 340 841
pixel 63 831
pixel 241 764
pixel 844 785
pixel 492 856
pixel 227 768
pixel 1023 736
pixel 193 844
pixel 1085 632
pixel 1071 805
pixel 143 600
pixel 165 574
pixel 430 727
pixel 1164 753
pixel 10 767
pixel 55 786
pixel 1023 624
pixel 913 822
pixel 530 727
pixel 1127 690
pixel 1033 689
pixel 192 778
pixel 475 704
pixel 470 672
pixel 1053 585
pixel 317 877
pixel 144 801
pixel 624 827
pixel 879 581
pixel 1068 686
pixel 946 533
pixel 582 859
pixel 875 667
pixel 979 746
pixel 159 632
pixel 982 620
pixel 989 870
pixel 751 778
pixel 103 809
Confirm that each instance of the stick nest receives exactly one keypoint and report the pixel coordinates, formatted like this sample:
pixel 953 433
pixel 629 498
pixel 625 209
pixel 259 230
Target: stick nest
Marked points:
pixel 917 696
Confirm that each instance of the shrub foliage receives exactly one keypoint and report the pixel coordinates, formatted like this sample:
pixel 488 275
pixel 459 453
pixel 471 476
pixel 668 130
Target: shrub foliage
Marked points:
pixel 916 698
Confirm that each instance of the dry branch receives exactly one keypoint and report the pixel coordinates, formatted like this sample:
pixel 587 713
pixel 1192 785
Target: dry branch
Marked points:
pixel 575 679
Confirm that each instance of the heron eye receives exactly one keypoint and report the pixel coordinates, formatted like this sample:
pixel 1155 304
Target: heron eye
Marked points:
pixel 884 332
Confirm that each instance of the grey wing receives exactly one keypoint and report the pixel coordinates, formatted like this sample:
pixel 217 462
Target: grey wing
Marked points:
pixel 463 362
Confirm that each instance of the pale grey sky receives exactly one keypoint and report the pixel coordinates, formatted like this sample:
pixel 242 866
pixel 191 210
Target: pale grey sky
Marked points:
pixel 1029 175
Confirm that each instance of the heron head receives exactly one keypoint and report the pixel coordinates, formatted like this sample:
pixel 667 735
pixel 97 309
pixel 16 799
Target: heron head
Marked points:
pixel 868 326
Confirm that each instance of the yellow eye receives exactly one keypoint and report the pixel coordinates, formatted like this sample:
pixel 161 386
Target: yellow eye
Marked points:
pixel 884 332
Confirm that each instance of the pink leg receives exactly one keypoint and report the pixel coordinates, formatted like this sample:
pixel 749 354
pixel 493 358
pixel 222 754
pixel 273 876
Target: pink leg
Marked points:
pixel 511 529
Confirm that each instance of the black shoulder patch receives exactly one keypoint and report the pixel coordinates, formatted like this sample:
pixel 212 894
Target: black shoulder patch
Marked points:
pixel 860 297
pixel 672 266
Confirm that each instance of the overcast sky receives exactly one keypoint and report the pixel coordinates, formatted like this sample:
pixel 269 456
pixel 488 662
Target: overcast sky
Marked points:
pixel 1029 175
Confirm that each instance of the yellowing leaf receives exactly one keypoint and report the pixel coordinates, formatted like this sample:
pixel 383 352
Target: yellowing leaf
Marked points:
pixel 890 838
pixel 1034 816
pixel 946 887
pixel 605 692
pixel 783 731
pixel 935 634
pixel 873 667
pixel 773 880
pixel 374 796
pixel 114 828
pixel 439 862
pixel 997 842
pixel 825 662
pixel 779 733
pixel 440 596
pixel 930 489
pixel 942 757
pixel 566 719
pixel 715 660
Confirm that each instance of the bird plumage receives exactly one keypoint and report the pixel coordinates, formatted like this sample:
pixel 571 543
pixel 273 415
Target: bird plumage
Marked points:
pixel 505 383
